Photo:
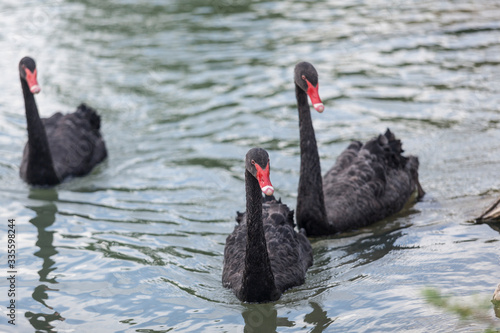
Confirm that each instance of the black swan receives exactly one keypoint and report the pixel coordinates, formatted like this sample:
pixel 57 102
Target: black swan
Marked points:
pixel 264 255
pixel 59 146
pixel 367 183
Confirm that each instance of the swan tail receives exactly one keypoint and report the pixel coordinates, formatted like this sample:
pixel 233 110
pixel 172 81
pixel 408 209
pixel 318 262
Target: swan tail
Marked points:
pixel 395 144
pixel 239 217
pixel 393 149
pixel 389 147
pixel 396 159
pixel 90 114
pixel 412 165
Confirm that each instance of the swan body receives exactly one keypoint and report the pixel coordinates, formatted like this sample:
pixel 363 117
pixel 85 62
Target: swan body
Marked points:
pixel 368 182
pixel 264 255
pixel 62 145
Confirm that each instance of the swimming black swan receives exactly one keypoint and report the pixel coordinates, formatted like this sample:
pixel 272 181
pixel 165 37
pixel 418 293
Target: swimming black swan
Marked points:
pixel 264 255
pixel 367 183
pixel 59 146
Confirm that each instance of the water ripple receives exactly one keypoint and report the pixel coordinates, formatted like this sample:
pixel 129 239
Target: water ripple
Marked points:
pixel 184 90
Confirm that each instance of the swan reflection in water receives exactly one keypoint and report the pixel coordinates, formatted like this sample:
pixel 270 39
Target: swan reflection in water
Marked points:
pixel 45 217
pixel 264 318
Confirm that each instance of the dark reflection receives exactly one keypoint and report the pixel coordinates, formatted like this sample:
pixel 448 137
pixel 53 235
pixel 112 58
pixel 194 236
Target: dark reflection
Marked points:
pixel 45 217
pixel 364 250
pixel 41 321
pixel 358 251
pixel 263 318
pixel 318 317
pixel 495 225
pixel 40 294
pixel 373 247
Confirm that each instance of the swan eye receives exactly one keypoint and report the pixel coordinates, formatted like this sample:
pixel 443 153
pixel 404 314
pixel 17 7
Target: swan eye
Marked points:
pixel 253 162
pixel 304 77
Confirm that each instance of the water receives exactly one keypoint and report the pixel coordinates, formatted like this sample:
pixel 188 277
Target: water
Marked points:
pixel 184 90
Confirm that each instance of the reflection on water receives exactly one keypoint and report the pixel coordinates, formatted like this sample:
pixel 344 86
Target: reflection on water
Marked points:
pixel 45 217
pixel 264 318
pixel 318 318
pixel 261 318
pixel 494 225
pixel 371 248
pixel 40 294
pixel 41 321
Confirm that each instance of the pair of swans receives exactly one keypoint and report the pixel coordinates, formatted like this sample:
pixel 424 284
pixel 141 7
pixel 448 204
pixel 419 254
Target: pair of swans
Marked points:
pixel 264 255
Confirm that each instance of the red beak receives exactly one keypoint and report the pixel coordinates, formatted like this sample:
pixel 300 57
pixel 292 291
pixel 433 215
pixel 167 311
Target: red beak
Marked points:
pixel 312 91
pixel 32 82
pixel 264 181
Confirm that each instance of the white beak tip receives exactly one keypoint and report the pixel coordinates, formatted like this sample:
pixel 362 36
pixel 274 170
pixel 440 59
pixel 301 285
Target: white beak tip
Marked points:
pixel 268 190
pixel 319 107
pixel 35 89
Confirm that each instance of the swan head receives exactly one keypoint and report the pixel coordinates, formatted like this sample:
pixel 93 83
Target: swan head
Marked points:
pixel 306 78
pixel 257 163
pixel 27 71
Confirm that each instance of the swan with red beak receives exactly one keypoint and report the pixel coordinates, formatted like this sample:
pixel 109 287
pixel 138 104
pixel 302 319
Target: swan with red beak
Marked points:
pixel 263 178
pixel 312 92
pixel 60 146
pixel 368 183
pixel 31 80
pixel 264 255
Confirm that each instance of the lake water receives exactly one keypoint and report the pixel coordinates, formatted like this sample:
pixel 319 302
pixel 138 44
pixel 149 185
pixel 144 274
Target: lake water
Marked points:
pixel 185 89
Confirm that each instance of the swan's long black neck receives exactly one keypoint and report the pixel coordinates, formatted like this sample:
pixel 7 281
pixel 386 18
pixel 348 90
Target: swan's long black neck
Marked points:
pixel 310 209
pixel 40 168
pixel 258 279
